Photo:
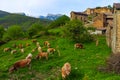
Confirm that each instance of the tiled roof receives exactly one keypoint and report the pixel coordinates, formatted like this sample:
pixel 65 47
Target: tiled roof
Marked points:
pixel 80 13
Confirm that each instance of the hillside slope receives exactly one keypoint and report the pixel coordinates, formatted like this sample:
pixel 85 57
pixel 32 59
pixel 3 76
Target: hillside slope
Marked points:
pixel 84 62
pixel 8 19
pixel 3 13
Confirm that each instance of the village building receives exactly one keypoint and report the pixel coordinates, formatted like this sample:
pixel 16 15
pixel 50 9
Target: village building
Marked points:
pixel 99 21
pixel 79 16
pixel 97 10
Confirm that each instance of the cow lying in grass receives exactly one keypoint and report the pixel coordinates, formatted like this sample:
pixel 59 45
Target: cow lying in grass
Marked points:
pixel 21 63
pixel 42 54
pixel 66 69
pixel 78 45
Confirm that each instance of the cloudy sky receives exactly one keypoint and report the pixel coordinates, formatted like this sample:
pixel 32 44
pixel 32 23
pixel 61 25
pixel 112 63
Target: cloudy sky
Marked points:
pixel 43 7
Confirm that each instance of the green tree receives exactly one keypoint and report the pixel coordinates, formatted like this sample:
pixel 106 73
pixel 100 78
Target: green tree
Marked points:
pixel 35 29
pixel 60 21
pixel 1 32
pixel 15 32
pixel 76 31
pixel 109 6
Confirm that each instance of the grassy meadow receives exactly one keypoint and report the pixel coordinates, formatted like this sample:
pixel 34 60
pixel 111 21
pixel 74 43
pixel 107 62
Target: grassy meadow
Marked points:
pixel 84 62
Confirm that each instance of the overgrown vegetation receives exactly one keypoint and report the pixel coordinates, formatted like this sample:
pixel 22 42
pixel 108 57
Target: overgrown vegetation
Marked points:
pixel 62 35
pixel 84 62
pixel 76 31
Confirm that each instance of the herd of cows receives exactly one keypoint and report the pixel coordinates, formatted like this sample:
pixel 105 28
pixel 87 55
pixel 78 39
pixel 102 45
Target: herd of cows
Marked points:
pixel 65 70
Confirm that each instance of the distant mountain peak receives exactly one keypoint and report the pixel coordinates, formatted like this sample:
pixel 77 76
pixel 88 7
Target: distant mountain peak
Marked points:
pixel 3 13
pixel 51 16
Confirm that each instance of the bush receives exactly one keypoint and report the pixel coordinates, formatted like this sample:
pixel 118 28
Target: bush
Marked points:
pixel 35 29
pixel 14 32
pixel 56 32
pixel 77 32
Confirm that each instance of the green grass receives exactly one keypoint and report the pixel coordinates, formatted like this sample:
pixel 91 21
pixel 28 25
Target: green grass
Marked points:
pixel 84 62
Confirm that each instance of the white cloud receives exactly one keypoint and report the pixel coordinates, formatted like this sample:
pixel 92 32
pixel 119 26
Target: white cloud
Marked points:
pixel 43 7
pixel 27 6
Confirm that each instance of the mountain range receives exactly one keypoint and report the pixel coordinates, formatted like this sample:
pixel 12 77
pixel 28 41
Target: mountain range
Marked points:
pixel 51 16
pixel 7 19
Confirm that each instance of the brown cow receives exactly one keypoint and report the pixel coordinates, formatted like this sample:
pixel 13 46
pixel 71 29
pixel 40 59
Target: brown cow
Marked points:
pixel 13 51
pixel 20 46
pixel 27 44
pixel 34 40
pixel 42 54
pixel 66 69
pixel 50 50
pixel 78 45
pixel 7 49
pixel 46 43
pixel 19 64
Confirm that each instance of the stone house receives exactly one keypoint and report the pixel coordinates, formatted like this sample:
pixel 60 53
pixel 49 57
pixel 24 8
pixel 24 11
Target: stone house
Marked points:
pixel 79 16
pixel 99 10
pixel 113 30
pixel 102 21
pixel 89 11
pixel 99 21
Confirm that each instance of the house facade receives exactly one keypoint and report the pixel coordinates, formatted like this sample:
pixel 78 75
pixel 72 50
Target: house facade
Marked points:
pixel 79 16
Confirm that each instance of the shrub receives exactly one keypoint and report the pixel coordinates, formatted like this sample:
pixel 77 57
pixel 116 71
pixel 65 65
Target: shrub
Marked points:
pixel 77 32
pixel 35 29
pixel 14 32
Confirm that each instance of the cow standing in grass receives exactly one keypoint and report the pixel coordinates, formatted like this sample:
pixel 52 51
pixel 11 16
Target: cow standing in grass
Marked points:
pixel 7 49
pixel 34 40
pixel 42 54
pixel 22 50
pixel 66 69
pixel 13 51
pixel 46 43
pixel 50 50
pixel 21 63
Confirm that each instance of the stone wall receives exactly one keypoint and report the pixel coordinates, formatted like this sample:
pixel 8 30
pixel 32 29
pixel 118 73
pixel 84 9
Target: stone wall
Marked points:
pixel 114 38
pixel 98 21
pixel 109 32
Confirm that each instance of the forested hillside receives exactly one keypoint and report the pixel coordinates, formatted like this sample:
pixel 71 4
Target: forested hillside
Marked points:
pixel 8 19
